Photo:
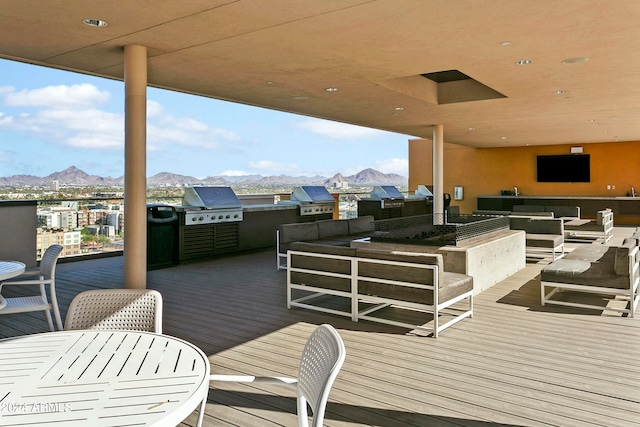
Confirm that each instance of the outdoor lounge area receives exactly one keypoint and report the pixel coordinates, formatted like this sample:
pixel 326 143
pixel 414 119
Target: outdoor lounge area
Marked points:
pixel 515 363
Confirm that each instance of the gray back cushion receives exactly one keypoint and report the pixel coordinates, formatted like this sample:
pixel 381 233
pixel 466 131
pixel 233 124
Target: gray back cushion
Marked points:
pixel 332 227
pixel 303 231
pixel 361 224
pixel 621 263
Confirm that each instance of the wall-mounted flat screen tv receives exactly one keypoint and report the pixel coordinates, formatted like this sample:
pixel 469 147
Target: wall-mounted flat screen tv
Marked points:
pixel 564 168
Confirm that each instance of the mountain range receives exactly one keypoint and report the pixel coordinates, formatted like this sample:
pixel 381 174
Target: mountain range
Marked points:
pixel 72 176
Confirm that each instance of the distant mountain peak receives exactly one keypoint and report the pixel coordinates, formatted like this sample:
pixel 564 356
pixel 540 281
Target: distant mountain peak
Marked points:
pixel 73 176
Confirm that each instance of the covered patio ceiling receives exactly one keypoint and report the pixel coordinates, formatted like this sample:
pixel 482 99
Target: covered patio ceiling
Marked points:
pixel 363 61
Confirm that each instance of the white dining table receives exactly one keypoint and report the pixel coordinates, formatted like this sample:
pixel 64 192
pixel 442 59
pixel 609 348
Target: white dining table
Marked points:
pixel 9 269
pixel 101 378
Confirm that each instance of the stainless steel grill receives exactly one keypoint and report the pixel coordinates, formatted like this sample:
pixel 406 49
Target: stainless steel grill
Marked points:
pixel 210 205
pixel 389 196
pixel 312 199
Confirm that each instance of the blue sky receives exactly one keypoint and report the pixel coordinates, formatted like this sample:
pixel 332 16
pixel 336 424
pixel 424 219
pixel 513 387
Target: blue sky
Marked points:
pixel 51 119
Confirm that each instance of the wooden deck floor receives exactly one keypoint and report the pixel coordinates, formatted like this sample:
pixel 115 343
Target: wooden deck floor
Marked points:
pixel 514 364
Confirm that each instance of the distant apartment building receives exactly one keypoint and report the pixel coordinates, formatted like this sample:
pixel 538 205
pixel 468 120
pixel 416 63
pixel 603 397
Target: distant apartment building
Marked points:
pixel 55 185
pixel 58 218
pixel 71 241
pixel 115 219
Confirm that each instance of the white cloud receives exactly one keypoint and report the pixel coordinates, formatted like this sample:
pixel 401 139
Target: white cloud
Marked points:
pixel 337 129
pixel 398 166
pixel 154 109
pixel 95 141
pixel 67 115
pixel 234 173
pixel 57 97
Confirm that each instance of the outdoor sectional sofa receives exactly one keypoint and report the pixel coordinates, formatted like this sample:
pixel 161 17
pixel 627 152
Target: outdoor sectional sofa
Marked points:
pixel 334 232
pixel 602 227
pixel 369 284
pixel 541 234
pixel 600 269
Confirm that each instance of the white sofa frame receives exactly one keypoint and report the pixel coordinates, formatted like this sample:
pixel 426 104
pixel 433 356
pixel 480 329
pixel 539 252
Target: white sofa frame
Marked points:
pixel 604 227
pixel 631 293
pixel 437 308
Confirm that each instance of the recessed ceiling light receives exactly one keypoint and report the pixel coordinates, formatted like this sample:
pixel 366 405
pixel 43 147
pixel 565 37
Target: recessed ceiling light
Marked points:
pixel 560 91
pixel 503 138
pixel 593 120
pixel 470 129
pixel 524 62
pixel 300 98
pixel 579 60
pixel 331 89
pixel 505 43
pixel 269 82
pixel 399 108
pixel 95 22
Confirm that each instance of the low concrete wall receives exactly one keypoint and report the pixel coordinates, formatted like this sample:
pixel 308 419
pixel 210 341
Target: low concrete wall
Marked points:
pixel 488 260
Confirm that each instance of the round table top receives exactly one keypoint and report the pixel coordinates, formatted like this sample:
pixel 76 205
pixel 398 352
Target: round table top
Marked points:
pixel 100 378
pixel 9 269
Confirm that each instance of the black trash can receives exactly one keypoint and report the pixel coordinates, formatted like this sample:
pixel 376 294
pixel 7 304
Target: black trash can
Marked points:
pixel 162 236
pixel 447 200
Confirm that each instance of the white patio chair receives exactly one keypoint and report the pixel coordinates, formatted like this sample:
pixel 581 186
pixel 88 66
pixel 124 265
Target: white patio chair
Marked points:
pixel 120 309
pixel 44 275
pixel 321 360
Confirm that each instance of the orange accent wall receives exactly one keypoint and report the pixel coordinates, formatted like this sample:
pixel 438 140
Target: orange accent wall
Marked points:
pixel 486 171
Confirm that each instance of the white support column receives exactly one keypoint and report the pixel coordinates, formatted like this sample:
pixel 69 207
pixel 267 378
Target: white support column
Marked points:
pixel 438 176
pixel 135 167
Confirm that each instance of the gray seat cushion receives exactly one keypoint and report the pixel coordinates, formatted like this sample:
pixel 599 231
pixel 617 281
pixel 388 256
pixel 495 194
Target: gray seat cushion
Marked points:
pixel 544 240
pixel 581 272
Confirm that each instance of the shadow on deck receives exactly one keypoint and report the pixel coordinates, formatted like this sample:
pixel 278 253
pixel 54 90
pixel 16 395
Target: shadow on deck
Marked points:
pixel 515 363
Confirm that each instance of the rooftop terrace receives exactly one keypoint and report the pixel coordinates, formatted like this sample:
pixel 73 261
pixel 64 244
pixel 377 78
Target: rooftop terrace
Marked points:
pixel 515 363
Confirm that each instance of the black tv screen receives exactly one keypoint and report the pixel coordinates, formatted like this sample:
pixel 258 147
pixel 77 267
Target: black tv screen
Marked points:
pixel 564 168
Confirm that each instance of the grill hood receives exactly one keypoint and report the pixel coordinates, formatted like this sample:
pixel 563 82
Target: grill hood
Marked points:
pixel 211 198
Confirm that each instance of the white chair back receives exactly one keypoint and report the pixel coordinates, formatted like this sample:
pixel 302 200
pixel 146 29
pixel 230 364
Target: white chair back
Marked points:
pixel 119 309
pixel 321 360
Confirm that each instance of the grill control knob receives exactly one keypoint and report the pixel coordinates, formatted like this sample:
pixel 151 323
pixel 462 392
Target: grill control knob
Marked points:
pixel 201 218
pixel 220 216
pixel 193 218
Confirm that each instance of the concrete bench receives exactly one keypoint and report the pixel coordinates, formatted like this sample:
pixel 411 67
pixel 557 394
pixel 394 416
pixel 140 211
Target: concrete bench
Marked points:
pixel 607 270
pixel 370 281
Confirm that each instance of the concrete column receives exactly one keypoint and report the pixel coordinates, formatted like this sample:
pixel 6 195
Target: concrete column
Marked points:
pixel 135 167
pixel 438 176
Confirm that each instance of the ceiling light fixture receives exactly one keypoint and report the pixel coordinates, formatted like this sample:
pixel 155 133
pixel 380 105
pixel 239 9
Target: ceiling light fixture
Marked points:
pixel 560 91
pixel 301 98
pixel 505 43
pixel 95 22
pixel 331 89
pixel 399 108
pixel 524 62
pixel 579 60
